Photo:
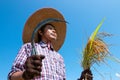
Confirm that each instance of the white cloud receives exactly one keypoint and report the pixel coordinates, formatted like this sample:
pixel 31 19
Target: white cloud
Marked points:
pixel 118 75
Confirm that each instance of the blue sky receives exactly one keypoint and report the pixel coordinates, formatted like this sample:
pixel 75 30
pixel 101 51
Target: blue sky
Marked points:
pixel 83 17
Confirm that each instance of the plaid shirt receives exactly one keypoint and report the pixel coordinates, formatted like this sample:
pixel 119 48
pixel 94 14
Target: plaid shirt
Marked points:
pixel 53 67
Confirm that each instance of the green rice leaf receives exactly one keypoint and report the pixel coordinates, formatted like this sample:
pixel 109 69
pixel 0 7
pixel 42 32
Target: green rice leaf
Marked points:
pixel 92 37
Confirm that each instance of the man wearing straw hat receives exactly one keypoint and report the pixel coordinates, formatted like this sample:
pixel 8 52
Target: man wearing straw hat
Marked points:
pixel 38 59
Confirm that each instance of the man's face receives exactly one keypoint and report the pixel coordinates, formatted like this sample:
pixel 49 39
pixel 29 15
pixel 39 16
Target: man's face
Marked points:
pixel 49 33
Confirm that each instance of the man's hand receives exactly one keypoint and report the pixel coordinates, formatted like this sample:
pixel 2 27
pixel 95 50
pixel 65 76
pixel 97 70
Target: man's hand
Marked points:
pixel 86 75
pixel 33 67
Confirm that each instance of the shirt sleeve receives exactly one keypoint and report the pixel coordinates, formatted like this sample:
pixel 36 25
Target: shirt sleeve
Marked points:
pixel 19 60
pixel 62 67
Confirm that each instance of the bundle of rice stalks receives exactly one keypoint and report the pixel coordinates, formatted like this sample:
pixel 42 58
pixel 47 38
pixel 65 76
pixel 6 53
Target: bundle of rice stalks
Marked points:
pixel 96 49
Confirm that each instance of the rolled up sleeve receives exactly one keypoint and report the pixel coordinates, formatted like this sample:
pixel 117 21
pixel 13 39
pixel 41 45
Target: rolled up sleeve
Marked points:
pixel 18 64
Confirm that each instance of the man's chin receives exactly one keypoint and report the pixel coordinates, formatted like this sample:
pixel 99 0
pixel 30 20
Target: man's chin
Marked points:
pixel 53 39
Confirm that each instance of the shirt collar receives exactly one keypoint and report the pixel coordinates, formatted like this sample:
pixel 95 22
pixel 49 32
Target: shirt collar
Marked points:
pixel 43 45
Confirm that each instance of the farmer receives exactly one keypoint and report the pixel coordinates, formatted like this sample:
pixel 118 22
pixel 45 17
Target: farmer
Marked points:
pixel 48 64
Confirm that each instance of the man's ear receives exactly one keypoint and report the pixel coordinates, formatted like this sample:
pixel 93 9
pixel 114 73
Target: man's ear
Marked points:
pixel 40 32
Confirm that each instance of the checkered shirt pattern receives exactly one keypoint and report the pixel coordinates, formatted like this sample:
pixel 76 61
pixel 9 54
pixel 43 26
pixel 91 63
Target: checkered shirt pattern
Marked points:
pixel 53 67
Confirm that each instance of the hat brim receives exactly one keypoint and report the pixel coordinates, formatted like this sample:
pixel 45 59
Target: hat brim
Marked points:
pixel 39 16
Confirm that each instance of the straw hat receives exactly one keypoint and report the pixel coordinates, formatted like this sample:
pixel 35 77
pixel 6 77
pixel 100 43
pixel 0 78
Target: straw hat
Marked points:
pixel 38 17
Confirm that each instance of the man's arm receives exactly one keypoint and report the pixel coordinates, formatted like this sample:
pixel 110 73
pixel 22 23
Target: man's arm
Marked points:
pixel 32 66
pixel 17 76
